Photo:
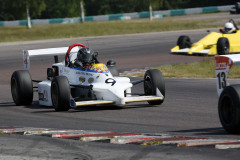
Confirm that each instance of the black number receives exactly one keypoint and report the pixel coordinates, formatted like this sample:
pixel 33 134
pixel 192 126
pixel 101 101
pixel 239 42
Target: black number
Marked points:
pixel 110 80
pixel 222 80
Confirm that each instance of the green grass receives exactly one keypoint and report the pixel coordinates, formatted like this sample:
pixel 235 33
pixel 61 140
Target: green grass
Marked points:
pixel 203 69
pixel 56 31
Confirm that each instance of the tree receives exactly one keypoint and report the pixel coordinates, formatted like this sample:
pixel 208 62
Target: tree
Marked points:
pixel 16 9
pixel 61 9
pixel 44 9
pixel 82 11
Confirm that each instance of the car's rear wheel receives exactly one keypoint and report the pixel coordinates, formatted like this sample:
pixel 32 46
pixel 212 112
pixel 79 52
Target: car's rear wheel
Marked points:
pixel 22 87
pixel 223 46
pixel 153 79
pixel 229 109
pixel 184 42
pixel 60 93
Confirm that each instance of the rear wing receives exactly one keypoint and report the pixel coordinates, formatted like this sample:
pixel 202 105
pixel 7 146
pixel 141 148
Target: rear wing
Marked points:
pixel 45 52
pixel 222 67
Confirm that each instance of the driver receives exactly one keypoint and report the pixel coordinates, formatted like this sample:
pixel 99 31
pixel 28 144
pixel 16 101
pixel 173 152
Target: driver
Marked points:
pixel 85 57
pixel 229 28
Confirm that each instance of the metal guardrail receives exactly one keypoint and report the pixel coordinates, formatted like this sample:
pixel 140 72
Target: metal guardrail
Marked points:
pixel 124 16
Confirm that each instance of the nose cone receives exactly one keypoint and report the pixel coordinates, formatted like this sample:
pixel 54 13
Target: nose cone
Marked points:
pixel 196 47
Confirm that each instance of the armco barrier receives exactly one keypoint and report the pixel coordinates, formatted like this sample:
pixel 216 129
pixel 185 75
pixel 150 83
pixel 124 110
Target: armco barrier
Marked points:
pixel 177 12
pixel 124 16
pixel 209 9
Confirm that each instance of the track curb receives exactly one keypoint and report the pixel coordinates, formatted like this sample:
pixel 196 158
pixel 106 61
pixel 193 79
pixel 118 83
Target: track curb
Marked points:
pixel 122 138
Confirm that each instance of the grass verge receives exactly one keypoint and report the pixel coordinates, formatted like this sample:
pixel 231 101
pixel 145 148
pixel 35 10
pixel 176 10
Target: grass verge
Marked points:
pixel 203 69
pixel 56 31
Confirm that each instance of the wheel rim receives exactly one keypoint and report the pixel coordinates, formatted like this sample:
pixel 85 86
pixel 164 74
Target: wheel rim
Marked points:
pixel 226 48
pixel 148 86
pixel 227 110
pixel 14 89
pixel 54 94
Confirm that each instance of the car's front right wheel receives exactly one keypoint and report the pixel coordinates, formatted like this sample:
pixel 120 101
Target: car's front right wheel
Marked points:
pixel 153 80
pixel 60 93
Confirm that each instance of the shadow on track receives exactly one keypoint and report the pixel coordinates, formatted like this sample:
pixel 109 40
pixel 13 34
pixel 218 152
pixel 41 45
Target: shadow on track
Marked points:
pixel 7 104
pixel 89 108
pixel 110 107
pixel 186 54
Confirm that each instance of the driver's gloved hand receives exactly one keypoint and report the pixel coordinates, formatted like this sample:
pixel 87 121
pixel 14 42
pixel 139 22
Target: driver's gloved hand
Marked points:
pixel 77 64
pixel 221 30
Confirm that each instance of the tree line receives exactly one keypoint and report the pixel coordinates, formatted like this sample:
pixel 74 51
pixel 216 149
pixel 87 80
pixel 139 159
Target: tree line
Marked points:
pixel 44 9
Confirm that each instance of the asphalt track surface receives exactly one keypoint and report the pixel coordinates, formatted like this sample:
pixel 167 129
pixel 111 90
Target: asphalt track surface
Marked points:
pixel 190 107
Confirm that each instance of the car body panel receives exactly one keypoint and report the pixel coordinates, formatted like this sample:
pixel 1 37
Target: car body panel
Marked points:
pixel 208 44
pixel 223 64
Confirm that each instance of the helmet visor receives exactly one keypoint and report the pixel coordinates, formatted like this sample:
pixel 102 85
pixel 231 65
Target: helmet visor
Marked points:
pixel 227 29
pixel 87 57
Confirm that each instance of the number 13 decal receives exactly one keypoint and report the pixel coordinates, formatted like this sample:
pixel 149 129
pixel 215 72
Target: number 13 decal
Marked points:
pixel 222 80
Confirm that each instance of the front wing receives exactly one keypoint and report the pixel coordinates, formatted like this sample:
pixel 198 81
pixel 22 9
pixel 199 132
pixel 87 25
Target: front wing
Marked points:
pixel 176 50
pixel 125 100
pixel 121 101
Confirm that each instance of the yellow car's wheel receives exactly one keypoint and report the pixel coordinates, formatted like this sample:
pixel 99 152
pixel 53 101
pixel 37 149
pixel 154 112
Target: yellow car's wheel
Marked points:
pixel 184 42
pixel 223 46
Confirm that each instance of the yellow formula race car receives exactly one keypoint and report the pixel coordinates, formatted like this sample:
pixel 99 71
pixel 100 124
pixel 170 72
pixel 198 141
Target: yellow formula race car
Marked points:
pixel 221 43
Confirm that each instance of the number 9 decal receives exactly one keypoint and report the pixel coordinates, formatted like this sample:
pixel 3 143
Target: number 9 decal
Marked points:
pixel 110 80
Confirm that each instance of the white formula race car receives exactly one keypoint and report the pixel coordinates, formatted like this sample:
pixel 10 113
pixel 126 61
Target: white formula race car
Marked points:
pixel 229 95
pixel 70 87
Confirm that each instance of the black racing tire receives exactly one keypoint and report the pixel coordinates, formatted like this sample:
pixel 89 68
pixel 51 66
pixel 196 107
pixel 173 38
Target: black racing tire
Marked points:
pixel 153 79
pixel 223 46
pixel 22 87
pixel 60 93
pixel 113 70
pixel 184 42
pixel 229 109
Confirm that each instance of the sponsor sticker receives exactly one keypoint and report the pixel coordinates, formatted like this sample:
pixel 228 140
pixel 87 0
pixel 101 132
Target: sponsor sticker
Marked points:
pixel 223 63
pixel 90 80
pixel 82 79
